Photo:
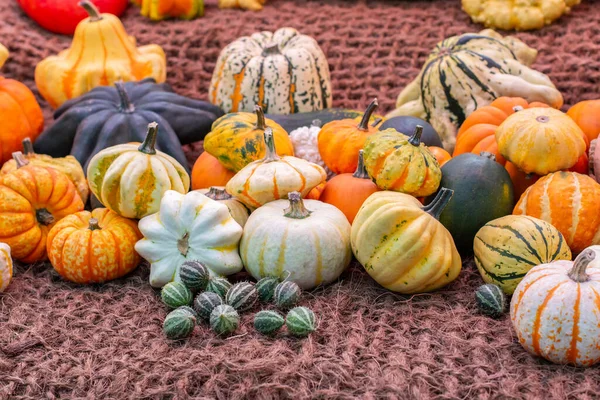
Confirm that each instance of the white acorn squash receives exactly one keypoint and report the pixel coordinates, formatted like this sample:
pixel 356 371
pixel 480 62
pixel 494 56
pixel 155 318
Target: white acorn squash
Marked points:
pixel 237 209
pixel 6 266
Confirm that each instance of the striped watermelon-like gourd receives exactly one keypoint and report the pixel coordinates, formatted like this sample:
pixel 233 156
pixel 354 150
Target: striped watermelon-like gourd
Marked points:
pixel 266 288
pixel 205 303
pixel 218 285
pixel 283 72
pixel 224 319
pixel 287 294
pixel 490 300
pixel 194 275
pixel 506 248
pixel 300 321
pixel 176 294
pixel 268 322
pixel 179 323
pixel 570 202
pixel 242 296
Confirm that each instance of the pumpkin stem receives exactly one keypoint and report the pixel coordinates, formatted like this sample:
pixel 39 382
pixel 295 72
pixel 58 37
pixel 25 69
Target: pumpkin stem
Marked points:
pixel 488 155
pixel 361 171
pixel 93 224
pixel 364 122
pixel 439 202
pixel 270 143
pixel 317 123
pixel 270 49
pixel 518 108
pixel 148 147
pixel 91 9
pixel 125 104
pixel 376 122
pixel 19 159
pixel 415 139
pixel 217 193
pixel 44 217
pixel 296 209
pixel 260 118
pixel 183 244
pixel 542 119
pixel 577 273
pixel 27 147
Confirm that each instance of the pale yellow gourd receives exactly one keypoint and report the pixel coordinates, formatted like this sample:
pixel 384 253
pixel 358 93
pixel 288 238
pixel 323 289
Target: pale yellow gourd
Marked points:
pixel 237 209
pixel 252 5
pixel 6 266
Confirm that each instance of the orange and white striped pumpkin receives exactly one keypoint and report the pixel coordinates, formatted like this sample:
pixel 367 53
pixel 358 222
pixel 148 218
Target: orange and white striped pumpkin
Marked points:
pixel 555 310
pixel 284 72
pixel 6 266
pixel 274 177
pixel 569 201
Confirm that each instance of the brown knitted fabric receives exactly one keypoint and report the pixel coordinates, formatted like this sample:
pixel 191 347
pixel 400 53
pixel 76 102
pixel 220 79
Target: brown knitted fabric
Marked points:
pixel 59 340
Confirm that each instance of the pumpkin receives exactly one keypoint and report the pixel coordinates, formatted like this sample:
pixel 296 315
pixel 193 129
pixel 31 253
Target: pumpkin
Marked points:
pixel 283 72
pixel 300 321
pixel 540 140
pixel 205 302
pixel 316 192
pixel 507 248
pixel 93 247
pixel 237 209
pixel 119 114
pixel 224 320
pixel 555 314
pixel 402 164
pixel 273 177
pixel 6 266
pixel 157 10
pixel 407 125
pixel 20 113
pixel 32 199
pixel 313 242
pixel 218 285
pixel 586 116
pixel 101 54
pixel 441 155
pixel 189 227
pixel 130 179
pixel 208 171
pixel 67 165
pixel 236 139
pixel 292 122
pixel 594 161
pixel 348 192
pixel 490 299
pixel 179 323
pixel 266 288
pixel 522 16
pixel 569 201
pixel 339 141
pixel 242 296
pixel 268 322
pixel 401 244
pixel 252 5
pixel 469 71
pixel 306 146
pixel 483 191
pixel 286 295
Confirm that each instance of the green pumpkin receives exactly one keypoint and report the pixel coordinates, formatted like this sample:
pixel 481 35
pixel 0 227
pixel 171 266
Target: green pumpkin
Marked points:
pixel 300 321
pixel 490 300
pixel 224 319
pixel 179 323
pixel 242 296
pixel 483 191
pixel 266 288
pixel 218 285
pixel 268 322
pixel 194 275
pixel 176 294
pixel 287 294
pixel 205 303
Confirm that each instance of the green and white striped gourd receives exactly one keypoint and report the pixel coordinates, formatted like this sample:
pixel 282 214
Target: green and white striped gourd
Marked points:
pixel 491 300
pixel 242 296
pixel 179 323
pixel 287 294
pixel 268 322
pixel 176 294
pixel 205 303
pixel 194 275
pixel 300 321
pixel 266 288
pixel 224 319
pixel 218 285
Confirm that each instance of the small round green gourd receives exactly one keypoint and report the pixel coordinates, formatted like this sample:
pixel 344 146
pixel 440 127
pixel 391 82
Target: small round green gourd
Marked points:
pixel 206 302
pixel 266 288
pixel 194 275
pixel 287 294
pixel 300 321
pixel 268 322
pixel 224 319
pixel 218 285
pixel 242 296
pixel 491 300
pixel 179 323
pixel 176 294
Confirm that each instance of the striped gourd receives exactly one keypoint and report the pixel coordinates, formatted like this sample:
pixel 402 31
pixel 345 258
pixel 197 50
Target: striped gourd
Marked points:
pixel 469 71
pixel 239 212
pixel 287 294
pixel 490 300
pixel 507 248
pixel 194 275
pixel 300 321
pixel 570 202
pixel 205 303
pixel 284 72
pixel 268 322
pixel 179 323
pixel 224 319
pixel 242 296
pixel 266 288
pixel 218 285
pixel 176 294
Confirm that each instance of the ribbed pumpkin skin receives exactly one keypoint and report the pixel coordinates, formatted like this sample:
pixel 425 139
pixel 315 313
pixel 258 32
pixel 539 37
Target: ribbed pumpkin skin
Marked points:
pixel 402 247
pixel 441 155
pixel 179 323
pixel 82 255
pixel 158 10
pixel 208 171
pixel 508 247
pixel 205 302
pixel 586 115
pixel 23 193
pixel 268 322
pixel 284 72
pixel 176 294
pixel 237 209
pixel 300 321
pixel 570 202
pixel 236 140
pixel 490 300
pixel 594 161
pixel 6 266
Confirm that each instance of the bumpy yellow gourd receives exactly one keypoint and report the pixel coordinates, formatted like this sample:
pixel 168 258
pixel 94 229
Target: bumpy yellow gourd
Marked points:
pixel 101 54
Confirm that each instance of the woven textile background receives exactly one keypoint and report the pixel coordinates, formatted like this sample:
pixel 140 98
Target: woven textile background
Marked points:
pixel 59 340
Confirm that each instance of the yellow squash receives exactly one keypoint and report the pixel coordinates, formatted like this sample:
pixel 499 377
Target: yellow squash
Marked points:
pixel 3 54
pixel 252 5
pixel 6 266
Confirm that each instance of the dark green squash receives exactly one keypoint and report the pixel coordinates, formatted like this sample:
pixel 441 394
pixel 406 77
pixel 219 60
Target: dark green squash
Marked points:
pixel 407 125
pixel 294 121
pixel 111 115
pixel 491 300
pixel 483 191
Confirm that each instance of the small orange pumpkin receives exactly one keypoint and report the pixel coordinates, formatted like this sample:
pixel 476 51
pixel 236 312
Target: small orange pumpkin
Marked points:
pixel 441 155
pixel 93 247
pixel 586 114
pixel 316 192
pixel 208 171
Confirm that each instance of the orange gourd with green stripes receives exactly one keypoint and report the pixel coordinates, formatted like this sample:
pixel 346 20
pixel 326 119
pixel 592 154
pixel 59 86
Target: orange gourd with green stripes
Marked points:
pixel 555 310
pixel 273 177
pixel 93 247
pixel 101 54
pixel 569 201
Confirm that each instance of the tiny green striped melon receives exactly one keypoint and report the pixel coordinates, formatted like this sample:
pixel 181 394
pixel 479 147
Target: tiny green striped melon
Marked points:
pixel 205 302
pixel 268 322
pixel 176 294
pixel 300 321
pixel 287 294
pixel 218 285
pixel 224 319
pixel 194 275
pixel 179 323
pixel 242 296
pixel 491 300
pixel 266 288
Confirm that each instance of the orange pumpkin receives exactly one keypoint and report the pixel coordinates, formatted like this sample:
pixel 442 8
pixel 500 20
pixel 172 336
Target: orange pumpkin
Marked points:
pixel 339 141
pixel 316 192
pixel 208 171
pixel 348 192
pixel 441 155
pixel 32 200
pixel 93 247
pixel 587 115
pixel 569 201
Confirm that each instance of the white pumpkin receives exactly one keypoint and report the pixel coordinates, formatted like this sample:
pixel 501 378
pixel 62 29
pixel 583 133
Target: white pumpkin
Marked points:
pixel 307 242
pixel 6 266
pixel 237 209
pixel 306 145
pixel 189 227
